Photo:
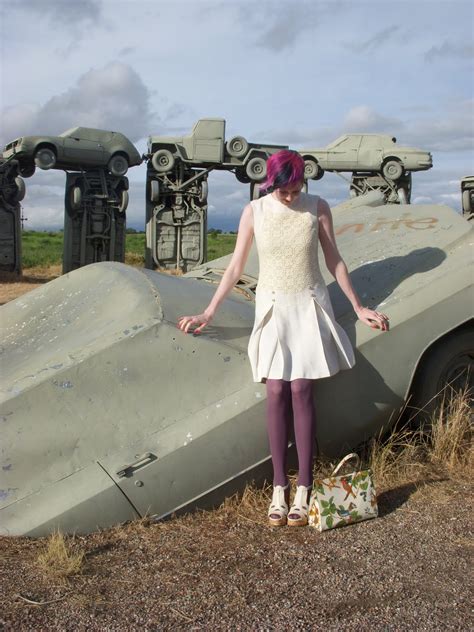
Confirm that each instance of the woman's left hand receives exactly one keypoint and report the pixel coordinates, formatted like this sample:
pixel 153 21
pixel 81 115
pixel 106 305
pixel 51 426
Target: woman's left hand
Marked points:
pixel 373 319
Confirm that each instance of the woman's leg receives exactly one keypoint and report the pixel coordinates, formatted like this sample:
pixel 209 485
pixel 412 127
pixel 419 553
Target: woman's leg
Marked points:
pixel 278 424
pixel 304 422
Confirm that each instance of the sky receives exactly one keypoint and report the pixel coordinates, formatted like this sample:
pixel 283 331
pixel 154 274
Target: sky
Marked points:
pixel 294 72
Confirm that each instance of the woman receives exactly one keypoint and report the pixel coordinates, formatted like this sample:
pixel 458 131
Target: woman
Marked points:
pixel 295 338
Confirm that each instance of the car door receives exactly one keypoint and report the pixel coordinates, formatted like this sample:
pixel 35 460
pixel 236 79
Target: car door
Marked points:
pixel 83 151
pixel 370 153
pixel 343 156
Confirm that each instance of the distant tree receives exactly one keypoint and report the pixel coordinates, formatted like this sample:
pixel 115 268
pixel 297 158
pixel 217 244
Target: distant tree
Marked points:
pixel 214 231
pixel 131 231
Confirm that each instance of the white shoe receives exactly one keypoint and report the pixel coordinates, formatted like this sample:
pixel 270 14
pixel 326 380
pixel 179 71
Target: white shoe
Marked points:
pixel 298 514
pixel 278 509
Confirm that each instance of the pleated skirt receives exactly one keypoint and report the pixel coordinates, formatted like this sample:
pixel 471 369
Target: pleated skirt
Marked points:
pixel 295 335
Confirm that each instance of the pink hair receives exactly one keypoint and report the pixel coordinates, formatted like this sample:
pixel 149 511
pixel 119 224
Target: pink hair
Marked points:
pixel 284 168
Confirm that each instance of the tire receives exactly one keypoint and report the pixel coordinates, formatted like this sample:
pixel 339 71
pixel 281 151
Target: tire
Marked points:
pixel 402 196
pixel 392 169
pixel 237 146
pixel 242 176
pixel 450 362
pixel 118 165
pixel 466 201
pixel 123 201
pixel 311 169
pixel 256 169
pixel 45 158
pixel 163 160
pixel 26 171
pixel 254 191
pixel 203 190
pixel 154 190
pixel 76 198
pixel 20 189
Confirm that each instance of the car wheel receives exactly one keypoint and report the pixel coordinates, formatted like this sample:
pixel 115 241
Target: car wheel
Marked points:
pixel 311 169
pixel 320 174
pixel 123 201
pixel 392 169
pixel 242 176
pixel 118 165
pixel 256 168
pixel 254 191
pixel 45 158
pixel 154 190
pixel 20 189
pixel 237 146
pixel 402 196
pixel 447 369
pixel 466 201
pixel 76 198
pixel 203 190
pixel 163 160
pixel 26 171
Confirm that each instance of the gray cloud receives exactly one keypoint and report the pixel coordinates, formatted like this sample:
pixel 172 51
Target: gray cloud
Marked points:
pixel 112 97
pixel 69 13
pixel 448 49
pixel 279 25
pixel 376 41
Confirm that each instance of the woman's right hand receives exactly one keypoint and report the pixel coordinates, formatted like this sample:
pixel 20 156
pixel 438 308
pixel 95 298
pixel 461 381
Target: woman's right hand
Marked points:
pixel 197 322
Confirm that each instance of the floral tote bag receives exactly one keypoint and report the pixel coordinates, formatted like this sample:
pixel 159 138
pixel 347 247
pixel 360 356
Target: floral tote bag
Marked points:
pixel 339 500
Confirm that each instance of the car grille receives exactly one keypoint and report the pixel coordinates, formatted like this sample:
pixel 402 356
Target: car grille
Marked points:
pixel 13 144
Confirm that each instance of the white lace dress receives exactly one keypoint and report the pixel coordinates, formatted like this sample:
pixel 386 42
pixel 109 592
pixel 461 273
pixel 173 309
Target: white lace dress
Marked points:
pixel 295 334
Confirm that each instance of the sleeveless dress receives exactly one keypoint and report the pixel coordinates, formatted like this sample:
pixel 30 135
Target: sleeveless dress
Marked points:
pixel 295 334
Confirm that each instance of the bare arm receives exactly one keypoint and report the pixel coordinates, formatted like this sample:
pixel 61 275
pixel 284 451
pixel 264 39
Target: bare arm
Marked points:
pixel 338 269
pixel 230 277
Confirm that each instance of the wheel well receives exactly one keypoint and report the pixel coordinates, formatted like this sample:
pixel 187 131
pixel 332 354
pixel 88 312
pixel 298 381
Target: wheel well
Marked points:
pixel 394 158
pixel 46 146
pixel 309 157
pixel 120 153
pixel 467 326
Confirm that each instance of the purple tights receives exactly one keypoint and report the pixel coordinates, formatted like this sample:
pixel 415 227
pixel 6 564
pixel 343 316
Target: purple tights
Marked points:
pixel 282 398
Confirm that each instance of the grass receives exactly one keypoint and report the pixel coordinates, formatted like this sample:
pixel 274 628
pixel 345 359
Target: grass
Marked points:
pixel 443 446
pixel 61 557
pixel 46 249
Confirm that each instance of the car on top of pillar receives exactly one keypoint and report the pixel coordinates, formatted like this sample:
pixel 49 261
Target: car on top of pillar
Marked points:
pixel 77 148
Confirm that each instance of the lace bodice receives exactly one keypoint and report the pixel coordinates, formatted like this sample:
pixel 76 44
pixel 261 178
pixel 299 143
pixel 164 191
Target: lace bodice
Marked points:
pixel 287 243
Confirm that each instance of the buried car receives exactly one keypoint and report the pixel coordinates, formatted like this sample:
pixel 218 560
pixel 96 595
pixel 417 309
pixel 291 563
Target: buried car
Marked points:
pixel 110 412
pixel 365 152
pixel 77 148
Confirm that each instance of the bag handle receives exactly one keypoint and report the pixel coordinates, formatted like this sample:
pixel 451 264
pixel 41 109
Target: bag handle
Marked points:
pixel 348 457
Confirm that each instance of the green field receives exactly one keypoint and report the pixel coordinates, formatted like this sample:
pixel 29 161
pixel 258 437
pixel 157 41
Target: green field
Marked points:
pixel 46 249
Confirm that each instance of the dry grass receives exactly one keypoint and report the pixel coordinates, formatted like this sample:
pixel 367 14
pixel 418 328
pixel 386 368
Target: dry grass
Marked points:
pixel 443 447
pixel 61 557
pixel 13 285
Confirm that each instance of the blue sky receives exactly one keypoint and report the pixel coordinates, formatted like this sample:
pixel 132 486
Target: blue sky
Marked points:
pixel 297 73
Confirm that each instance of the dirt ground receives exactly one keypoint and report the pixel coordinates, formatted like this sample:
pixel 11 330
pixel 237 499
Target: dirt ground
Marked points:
pixel 12 286
pixel 409 569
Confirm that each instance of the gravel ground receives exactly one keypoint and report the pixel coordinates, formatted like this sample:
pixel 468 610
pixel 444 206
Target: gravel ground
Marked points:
pixel 227 570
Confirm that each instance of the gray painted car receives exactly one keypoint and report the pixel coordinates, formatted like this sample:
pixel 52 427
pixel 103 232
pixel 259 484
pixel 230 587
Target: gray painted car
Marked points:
pixel 77 148
pixel 206 147
pixel 365 152
pixel 109 411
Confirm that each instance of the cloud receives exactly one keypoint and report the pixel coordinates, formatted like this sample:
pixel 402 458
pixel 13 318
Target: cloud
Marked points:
pixel 67 13
pixel 380 38
pixel 363 118
pixel 448 49
pixel 278 27
pixel 113 97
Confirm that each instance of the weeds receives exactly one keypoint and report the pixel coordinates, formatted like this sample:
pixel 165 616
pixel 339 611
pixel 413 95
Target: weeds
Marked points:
pixel 443 446
pixel 60 558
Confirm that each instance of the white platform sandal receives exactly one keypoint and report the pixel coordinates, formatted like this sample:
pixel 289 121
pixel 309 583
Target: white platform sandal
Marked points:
pixel 298 514
pixel 278 510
